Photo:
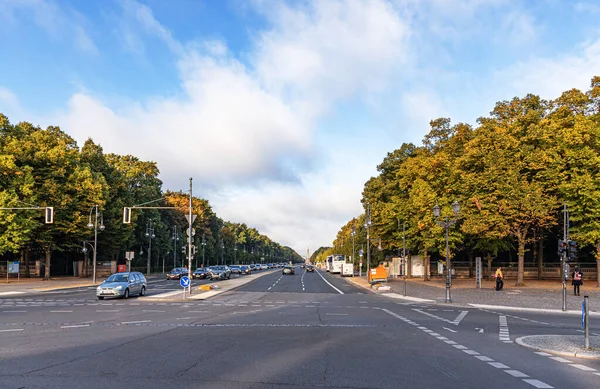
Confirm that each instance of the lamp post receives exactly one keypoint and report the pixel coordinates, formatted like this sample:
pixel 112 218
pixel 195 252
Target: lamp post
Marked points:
pixel 447 223
pixel 368 223
pixel 150 235
pixel 95 227
pixel 175 238
pixel 222 251
pixel 203 249
pixel 235 253
pixel 84 250
pixel 353 233
pixel 404 261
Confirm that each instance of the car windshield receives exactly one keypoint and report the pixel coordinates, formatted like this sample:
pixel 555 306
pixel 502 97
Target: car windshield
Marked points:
pixel 200 270
pixel 118 278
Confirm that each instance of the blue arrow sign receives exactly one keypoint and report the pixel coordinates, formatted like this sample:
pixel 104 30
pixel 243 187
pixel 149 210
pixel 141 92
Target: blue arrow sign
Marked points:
pixel 184 281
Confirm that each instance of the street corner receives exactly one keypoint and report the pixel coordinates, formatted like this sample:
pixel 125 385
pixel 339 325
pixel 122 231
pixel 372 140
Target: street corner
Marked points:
pixel 563 345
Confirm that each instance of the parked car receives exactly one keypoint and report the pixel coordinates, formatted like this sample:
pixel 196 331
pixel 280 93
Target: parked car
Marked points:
pixel 220 273
pixel 245 269
pixel 310 268
pixel 177 273
pixel 122 285
pixel 263 267
pixel 201 273
pixel 288 270
pixel 235 269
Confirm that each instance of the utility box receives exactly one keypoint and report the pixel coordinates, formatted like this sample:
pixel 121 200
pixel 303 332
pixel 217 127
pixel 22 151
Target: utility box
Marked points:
pixel 348 270
pixel 379 274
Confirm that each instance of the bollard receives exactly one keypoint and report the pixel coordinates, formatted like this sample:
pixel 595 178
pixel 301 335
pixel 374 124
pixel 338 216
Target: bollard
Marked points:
pixel 586 320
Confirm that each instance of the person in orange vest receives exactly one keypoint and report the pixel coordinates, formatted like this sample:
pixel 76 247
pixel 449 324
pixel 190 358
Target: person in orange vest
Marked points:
pixel 499 276
pixel 576 280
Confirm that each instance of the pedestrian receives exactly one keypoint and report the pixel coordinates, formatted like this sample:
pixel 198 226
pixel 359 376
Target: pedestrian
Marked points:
pixel 576 280
pixel 499 278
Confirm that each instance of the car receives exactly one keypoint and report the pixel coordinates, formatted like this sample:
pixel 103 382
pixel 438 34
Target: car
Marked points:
pixel 310 268
pixel 245 269
pixel 263 267
pixel 201 273
pixel 302 266
pixel 220 273
pixel 235 269
pixel 288 270
pixel 122 285
pixel 177 273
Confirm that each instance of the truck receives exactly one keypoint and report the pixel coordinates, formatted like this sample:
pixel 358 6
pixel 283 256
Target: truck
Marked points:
pixel 348 270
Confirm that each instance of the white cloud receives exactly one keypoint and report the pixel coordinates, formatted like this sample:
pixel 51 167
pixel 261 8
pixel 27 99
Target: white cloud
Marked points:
pixel 549 77
pixel 245 132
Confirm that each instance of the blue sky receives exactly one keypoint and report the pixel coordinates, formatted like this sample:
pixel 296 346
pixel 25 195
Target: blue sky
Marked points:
pixel 281 110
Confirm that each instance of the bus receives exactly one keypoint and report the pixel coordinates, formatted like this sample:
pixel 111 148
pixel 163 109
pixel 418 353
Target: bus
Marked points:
pixel 337 261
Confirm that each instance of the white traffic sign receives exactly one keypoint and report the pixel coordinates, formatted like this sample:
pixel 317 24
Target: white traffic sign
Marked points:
pixel 184 281
pixel 187 232
pixel 187 217
pixel 129 255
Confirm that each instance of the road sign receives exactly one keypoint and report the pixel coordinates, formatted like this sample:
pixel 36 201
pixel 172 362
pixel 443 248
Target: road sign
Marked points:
pixel 187 231
pixel 184 281
pixel 129 255
pixel 187 217
pixel 13 267
pixel 361 252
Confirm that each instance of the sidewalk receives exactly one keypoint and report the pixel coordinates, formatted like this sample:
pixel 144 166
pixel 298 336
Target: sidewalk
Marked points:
pixel 535 296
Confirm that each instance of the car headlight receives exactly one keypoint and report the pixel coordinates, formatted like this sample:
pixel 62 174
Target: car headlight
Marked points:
pixel 120 287
pixel 98 289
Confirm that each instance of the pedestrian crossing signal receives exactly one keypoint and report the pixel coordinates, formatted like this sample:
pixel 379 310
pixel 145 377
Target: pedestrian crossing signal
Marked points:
pixel 49 215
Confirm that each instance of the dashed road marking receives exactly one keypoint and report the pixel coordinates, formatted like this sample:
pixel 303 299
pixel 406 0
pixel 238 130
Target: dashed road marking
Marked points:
pixel 12 330
pixel 136 322
pixel 76 326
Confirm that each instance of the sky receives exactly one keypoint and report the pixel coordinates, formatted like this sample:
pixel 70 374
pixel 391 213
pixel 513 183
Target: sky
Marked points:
pixel 282 110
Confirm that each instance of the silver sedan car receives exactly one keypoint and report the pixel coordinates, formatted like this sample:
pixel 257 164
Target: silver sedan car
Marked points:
pixel 122 285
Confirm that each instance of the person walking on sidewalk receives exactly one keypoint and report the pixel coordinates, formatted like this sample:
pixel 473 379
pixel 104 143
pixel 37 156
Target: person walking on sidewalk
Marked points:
pixel 499 276
pixel 577 280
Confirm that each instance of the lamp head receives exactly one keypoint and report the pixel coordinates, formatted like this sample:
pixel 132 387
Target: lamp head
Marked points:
pixel 456 207
pixel 436 211
pixel 90 225
pixel 101 227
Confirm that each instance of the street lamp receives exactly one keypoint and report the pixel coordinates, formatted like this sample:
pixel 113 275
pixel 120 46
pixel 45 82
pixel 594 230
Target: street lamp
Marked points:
pixel 368 223
pixel 222 250
pixel 150 235
pixel 95 226
pixel 175 238
pixel 235 253
pixel 447 223
pixel 353 233
pixel 203 249
pixel 84 250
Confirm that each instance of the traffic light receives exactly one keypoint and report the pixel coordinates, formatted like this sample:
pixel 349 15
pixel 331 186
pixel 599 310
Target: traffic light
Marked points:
pixel 49 215
pixel 562 247
pixel 127 215
pixel 572 255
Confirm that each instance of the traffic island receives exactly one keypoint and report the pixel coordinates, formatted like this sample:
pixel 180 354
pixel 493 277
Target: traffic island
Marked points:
pixel 565 345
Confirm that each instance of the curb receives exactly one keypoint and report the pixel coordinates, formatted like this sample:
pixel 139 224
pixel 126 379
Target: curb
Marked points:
pixel 407 298
pixel 580 354
pixel 524 309
pixel 351 279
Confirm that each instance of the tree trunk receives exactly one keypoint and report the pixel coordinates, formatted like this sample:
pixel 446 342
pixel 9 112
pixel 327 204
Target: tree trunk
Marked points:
pixel 470 255
pixel 426 266
pixel 540 255
pixel 534 247
pixel 48 252
pixel 521 258
pixel 25 260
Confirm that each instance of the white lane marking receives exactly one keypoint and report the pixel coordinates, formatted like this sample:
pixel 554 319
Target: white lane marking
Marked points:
pixel 336 314
pixel 61 311
pixel 503 335
pixel 460 347
pixel 498 365
pixel 13 311
pixel 199 311
pixel 543 354
pixel 484 358
pixel 76 326
pixel 538 384
pixel 516 373
pixel 107 310
pixel 449 329
pixel 186 318
pixel 460 317
pixel 8 293
pixel 137 321
pixel 12 330
pixel 471 352
pixel 327 282
pixel 583 367
pixel 559 359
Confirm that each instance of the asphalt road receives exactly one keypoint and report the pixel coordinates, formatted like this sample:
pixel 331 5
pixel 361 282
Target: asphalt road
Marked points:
pixel 309 330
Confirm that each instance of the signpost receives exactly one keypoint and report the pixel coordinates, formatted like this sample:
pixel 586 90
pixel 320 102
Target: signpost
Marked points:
pixel 360 254
pixel 12 268
pixel 478 272
pixel 585 320
pixel 184 282
pixel 129 256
